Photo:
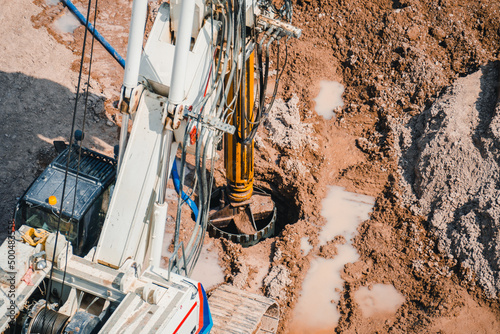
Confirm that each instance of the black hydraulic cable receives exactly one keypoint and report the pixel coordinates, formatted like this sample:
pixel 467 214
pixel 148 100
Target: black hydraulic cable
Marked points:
pixel 217 81
pixel 196 240
pixel 201 197
pixel 81 143
pixel 233 28
pixel 180 202
pixel 221 61
pixel 235 57
pixel 265 110
pixel 181 187
pixel 262 86
pixel 227 32
pixel 216 76
pixel 241 83
pixel 243 101
pixel 266 71
pixel 278 78
pixel 260 94
pixel 206 189
pixel 67 164
pixel 264 81
pixel 191 124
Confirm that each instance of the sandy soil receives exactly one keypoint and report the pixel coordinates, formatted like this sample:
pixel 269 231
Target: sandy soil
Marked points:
pixel 395 58
pixel 37 101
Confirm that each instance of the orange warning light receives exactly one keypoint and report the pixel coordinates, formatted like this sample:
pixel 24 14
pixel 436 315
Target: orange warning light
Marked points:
pixel 52 200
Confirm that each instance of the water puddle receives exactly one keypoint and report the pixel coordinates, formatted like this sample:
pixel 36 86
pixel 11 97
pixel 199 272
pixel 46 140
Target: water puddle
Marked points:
pixel 329 98
pixel 343 211
pixel 381 299
pixel 305 246
pixel 207 269
pixel 67 23
pixel 317 307
pixel 316 310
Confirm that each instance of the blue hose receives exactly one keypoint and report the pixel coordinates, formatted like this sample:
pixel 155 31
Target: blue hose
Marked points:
pixel 184 196
pixel 94 32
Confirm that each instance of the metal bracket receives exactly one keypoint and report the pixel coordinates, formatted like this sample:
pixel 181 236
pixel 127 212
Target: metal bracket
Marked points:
pixel 286 29
pixel 211 121
pixel 174 261
pixel 174 115
pixel 135 98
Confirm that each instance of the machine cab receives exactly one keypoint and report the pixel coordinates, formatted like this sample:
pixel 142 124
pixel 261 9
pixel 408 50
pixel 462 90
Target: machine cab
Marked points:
pixel 88 190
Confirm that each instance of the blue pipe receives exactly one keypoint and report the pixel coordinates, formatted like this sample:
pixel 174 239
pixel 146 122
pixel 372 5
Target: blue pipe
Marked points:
pixel 94 32
pixel 184 196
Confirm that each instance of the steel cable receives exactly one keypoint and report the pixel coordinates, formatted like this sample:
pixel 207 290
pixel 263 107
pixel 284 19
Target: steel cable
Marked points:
pixel 68 162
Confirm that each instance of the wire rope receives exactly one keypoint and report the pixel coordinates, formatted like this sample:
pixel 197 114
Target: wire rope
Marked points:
pixel 73 123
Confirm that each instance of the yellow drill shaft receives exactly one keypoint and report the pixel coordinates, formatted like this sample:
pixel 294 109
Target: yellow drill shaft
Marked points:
pixel 239 157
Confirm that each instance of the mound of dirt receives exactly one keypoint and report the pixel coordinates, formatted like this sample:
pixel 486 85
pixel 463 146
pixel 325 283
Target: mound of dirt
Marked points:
pixel 449 163
pixel 394 56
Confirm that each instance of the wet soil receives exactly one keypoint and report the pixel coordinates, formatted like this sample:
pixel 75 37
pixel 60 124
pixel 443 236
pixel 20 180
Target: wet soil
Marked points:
pixel 394 59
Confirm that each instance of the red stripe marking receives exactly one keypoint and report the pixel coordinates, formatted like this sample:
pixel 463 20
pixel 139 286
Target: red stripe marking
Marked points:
pixel 187 315
pixel 200 321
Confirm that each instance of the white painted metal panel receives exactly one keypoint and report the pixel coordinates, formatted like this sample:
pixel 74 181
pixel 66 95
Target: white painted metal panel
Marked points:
pixel 127 220
pixel 158 56
pixel 176 306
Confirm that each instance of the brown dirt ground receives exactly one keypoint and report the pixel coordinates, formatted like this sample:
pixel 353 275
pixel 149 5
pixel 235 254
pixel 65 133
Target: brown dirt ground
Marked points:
pixel 393 57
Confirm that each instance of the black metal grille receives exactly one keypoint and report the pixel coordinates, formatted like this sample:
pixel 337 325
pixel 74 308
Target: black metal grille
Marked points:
pixel 92 165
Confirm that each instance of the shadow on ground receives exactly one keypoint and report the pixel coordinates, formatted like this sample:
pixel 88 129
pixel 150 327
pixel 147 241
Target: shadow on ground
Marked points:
pixel 35 112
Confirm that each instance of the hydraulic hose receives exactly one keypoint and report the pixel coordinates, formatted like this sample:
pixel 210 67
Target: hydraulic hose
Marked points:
pixel 94 32
pixel 185 197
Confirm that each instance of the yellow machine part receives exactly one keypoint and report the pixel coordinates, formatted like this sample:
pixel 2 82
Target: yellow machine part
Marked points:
pixel 238 157
pixel 34 237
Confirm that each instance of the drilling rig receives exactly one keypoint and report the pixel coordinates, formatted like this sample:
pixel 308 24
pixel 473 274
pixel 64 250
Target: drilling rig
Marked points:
pixel 88 235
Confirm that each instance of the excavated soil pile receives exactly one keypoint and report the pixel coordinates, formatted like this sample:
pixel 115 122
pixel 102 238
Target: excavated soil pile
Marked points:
pixel 449 163
pixel 394 56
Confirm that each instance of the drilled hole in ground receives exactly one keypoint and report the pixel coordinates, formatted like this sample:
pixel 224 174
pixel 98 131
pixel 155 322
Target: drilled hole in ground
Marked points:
pixel 287 212
pixel 247 224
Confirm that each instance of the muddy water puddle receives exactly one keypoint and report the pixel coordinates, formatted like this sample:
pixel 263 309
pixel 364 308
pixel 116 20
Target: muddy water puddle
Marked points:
pixel 329 98
pixel 343 212
pixel 316 310
pixel 207 269
pixel 67 23
pixel 379 299
pixel 317 306
pixel 305 246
